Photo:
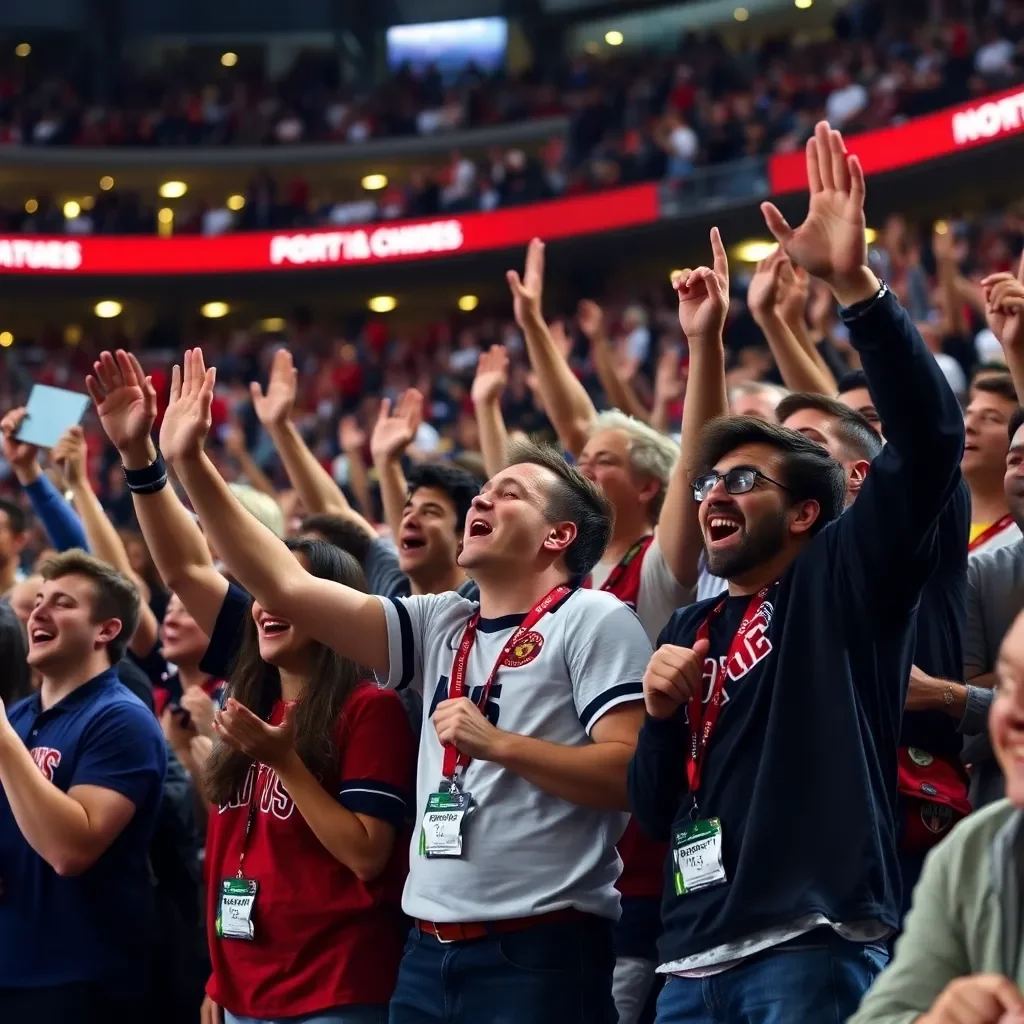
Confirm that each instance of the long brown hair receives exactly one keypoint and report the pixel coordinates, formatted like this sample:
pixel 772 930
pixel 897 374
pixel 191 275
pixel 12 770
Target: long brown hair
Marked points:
pixel 257 685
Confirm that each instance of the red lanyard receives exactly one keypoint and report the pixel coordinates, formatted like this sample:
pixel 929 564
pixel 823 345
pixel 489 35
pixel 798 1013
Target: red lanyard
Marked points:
pixel 990 531
pixel 615 576
pixel 453 757
pixel 702 724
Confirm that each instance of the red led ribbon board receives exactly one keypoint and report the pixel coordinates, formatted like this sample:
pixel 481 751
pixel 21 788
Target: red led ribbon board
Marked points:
pixel 325 248
pixel 924 138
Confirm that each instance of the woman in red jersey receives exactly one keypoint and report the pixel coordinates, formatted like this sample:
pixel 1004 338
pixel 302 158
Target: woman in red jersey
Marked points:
pixel 308 783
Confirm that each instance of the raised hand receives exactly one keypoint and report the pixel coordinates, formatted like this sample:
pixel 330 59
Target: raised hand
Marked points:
pixel 704 296
pixel 763 293
pixel 242 730
pixel 528 291
pixel 395 430
pixel 794 290
pixel 590 317
pixel 274 407
pixel 125 399
pixel 21 457
pixel 673 676
pixel 234 440
pixel 491 376
pixel 668 383
pixel 830 243
pixel 1004 306
pixel 188 418
pixel 71 454
pixel 351 436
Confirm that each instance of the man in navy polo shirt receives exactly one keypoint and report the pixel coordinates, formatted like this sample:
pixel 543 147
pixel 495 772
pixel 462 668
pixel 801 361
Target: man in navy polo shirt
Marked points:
pixel 82 766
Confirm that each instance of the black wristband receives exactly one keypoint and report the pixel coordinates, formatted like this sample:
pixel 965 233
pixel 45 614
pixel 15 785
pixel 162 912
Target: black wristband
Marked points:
pixel 858 309
pixel 148 480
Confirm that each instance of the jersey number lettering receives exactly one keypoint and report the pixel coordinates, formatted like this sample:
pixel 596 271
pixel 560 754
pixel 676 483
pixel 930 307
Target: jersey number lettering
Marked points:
pixel 490 712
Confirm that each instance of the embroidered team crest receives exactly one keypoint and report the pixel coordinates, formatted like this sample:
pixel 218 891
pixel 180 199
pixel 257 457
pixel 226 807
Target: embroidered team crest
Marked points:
pixel 936 817
pixel 524 651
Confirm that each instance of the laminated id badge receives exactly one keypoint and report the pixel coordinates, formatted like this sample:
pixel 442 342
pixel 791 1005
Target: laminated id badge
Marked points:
pixel 443 820
pixel 234 913
pixel 697 856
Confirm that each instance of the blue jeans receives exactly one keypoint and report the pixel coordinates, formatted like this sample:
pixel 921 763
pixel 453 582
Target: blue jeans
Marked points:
pixel 818 978
pixel 557 973
pixel 339 1015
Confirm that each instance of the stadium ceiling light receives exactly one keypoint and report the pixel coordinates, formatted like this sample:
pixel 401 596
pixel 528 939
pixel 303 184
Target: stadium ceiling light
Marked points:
pixel 467 303
pixel 215 310
pixel 741 14
pixel 22 50
pixel 165 215
pixel 755 250
pixel 106 183
pixel 236 202
pixel 173 189
pixel 613 37
pixel 107 309
pixel 229 59
pixel 940 227
pixel 72 209
pixel 870 234
pixel 6 339
pixel 31 205
pixel 382 303
pixel 803 4
pixel 272 325
pixel 375 182
pixel 73 334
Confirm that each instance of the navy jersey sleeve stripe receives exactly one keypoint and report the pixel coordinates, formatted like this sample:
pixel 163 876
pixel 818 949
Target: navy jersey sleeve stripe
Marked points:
pixel 226 638
pixel 408 647
pixel 377 799
pixel 615 695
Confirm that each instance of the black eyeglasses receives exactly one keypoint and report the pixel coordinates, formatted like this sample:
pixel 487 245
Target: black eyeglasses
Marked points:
pixel 738 480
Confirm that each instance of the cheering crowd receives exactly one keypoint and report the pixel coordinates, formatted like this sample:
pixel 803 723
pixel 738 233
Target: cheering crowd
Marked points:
pixel 715 730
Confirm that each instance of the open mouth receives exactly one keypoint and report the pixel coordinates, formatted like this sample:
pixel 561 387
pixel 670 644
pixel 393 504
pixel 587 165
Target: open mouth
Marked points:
pixel 412 543
pixel 479 528
pixel 42 636
pixel 722 528
pixel 274 627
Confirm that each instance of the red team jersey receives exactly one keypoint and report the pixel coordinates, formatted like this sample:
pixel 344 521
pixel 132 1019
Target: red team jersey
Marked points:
pixel 322 937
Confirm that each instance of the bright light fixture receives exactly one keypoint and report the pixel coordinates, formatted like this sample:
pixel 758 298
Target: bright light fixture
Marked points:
pixel 613 37
pixel 272 325
pixel 173 189
pixel 741 14
pixel 375 182
pixel 382 303
pixel 72 334
pixel 870 234
pixel 229 59
pixel 72 209
pixel 22 50
pixel 755 250
pixel 214 310
pixel 803 4
pixel 31 205
pixel 467 303
pixel 107 309
pixel 165 215
pixel 6 339
pixel 236 202
pixel 940 227
pixel 106 183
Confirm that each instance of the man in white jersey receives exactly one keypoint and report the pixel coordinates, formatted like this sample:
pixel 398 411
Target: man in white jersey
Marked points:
pixel 534 699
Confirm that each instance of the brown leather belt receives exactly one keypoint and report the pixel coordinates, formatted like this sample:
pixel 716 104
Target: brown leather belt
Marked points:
pixel 463 931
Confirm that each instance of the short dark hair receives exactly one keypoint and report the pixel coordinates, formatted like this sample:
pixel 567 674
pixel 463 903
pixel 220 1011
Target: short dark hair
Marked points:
pixel 16 515
pixel 573 499
pixel 117 597
pixel 341 532
pixel 851 381
pixel 16 681
pixel 998 384
pixel 855 434
pixel 808 471
pixel 1016 422
pixel 990 367
pixel 460 486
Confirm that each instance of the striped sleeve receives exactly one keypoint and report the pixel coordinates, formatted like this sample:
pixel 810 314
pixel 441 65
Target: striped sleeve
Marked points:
pixel 378 757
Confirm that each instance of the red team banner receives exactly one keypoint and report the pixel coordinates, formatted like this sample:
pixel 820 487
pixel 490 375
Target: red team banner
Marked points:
pixel 324 248
pixel 924 138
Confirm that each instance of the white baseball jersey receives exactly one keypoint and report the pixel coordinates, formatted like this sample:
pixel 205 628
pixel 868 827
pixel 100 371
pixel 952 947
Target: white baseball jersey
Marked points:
pixel 526 852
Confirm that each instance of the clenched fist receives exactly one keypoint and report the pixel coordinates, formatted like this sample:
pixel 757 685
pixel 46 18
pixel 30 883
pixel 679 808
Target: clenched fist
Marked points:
pixel 673 676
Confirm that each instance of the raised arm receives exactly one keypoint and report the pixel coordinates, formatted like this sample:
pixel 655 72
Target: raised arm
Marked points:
pixel 126 403
pixel 565 399
pixel 799 371
pixel 352 441
pixel 394 432
pixel 317 491
pixel 620 393
pixel 1004 311
pixel 234 442
pixel 488 387
pixel 914 476
pixel 350 622
pixel 71 453
pixel 792 298
pixel 703 306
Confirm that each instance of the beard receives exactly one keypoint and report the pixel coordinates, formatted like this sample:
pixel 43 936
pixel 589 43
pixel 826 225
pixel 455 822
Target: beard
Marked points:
pixel 761 540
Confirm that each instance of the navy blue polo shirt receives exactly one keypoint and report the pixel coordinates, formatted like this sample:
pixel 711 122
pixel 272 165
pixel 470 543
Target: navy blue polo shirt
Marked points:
pixel 95 926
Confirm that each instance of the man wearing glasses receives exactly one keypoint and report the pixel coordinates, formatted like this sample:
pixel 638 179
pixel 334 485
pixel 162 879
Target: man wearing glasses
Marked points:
pixel 775 710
